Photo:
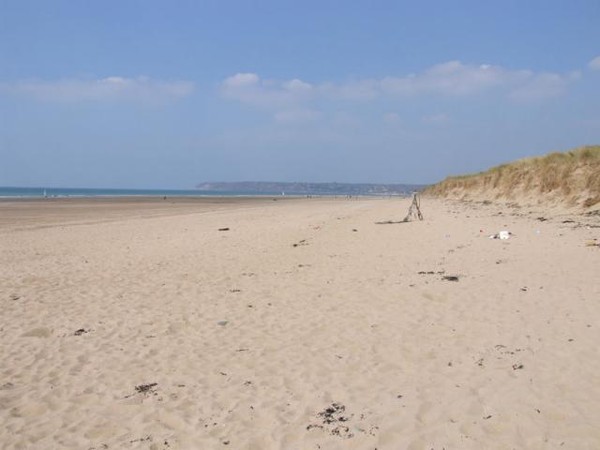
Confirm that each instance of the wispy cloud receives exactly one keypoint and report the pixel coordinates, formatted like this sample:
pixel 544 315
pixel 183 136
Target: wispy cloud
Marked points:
pixel 594 64
pixel 453 79
pixel 142 89
pixel 249 88
pixel 543 85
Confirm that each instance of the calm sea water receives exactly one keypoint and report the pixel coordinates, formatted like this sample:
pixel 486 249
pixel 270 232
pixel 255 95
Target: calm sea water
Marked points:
pixel 22 192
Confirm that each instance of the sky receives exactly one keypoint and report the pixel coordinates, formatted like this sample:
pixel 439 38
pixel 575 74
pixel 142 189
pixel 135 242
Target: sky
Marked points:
pixel 168 94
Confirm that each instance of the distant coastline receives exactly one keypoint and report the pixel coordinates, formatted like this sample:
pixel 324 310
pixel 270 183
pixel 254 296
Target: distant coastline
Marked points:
pixel 304 188
pixel 222 189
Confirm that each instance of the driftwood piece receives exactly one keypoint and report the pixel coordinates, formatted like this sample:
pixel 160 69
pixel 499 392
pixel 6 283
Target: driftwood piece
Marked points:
pixel 415 209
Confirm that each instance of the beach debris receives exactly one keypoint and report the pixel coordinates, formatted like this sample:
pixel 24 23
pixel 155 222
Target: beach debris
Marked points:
pixel 504 234
pixel 592 243
pixel 81 331
pixel 14 297
pixel 524 288
pixel 517 366
pixel 224 229
pixel 333 413
pixel 333 418
pixel 143 439
pixel 450 278
pixel 235 291
pixel 430 272
pixel 336 421
pixel 145 390
pixel 222 323
pixel 389 222
pixel 302 242
pixel 354 230
pixel 541 219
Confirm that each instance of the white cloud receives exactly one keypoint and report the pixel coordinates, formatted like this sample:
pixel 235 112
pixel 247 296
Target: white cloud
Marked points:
pixel 594 64
pixel 111 88
pixel 297 85
pixel 541 86
pixel 451 78
pixel 250 88
pixel 241 79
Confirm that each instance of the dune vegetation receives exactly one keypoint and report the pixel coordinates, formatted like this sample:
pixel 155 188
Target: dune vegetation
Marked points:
pixel 571 178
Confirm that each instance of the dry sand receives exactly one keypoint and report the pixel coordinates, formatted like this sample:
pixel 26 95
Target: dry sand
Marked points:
pixel 306 325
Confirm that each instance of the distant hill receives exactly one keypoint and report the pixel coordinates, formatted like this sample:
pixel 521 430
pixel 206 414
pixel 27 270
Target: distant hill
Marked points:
pixel 571 179
pixel 276 188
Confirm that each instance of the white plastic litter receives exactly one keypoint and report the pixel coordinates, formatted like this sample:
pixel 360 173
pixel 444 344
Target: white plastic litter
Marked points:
pixel 501 235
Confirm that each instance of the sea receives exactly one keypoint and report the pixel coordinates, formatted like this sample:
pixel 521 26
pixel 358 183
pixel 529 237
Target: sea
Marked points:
pixel 40 192
pixel 330 190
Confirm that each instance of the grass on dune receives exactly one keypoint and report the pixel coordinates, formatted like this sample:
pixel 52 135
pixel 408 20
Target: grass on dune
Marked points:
pixel 571 177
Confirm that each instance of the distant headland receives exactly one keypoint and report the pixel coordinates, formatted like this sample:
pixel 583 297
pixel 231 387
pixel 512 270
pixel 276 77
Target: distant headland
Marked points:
pixel 301 188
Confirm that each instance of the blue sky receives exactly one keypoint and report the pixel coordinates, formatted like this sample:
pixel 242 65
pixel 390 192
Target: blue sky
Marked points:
pixel 168 94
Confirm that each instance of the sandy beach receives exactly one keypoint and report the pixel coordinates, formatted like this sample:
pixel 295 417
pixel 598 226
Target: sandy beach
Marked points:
pixel 297 324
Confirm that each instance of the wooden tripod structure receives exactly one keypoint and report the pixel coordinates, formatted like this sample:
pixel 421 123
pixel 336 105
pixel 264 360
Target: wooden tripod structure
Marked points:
pixel 415 209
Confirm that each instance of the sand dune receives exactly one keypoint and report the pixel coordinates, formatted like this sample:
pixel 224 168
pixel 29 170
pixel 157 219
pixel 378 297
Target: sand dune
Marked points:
pixel 570 179
pixel 305 325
